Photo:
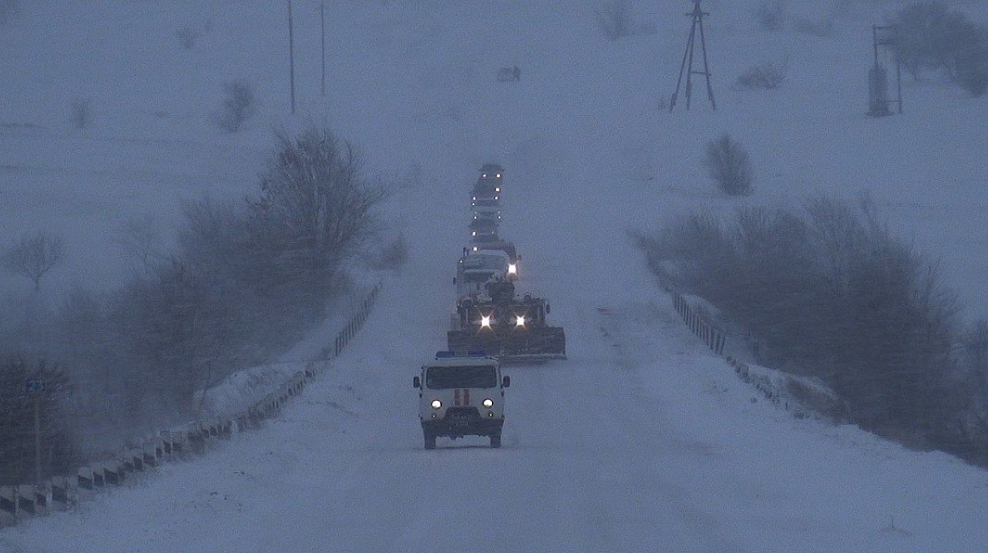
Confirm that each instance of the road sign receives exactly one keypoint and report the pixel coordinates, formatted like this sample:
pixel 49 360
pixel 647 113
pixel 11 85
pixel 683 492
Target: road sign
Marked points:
pixel 34 386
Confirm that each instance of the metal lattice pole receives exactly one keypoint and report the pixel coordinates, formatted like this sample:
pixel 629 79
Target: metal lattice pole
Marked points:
pixel 291 54
pixel 322 42
pixel 687 64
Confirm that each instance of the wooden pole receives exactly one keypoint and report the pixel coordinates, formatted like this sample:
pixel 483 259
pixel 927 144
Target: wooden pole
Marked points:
pixel 37 439
pixel 322 26
pixel 291 54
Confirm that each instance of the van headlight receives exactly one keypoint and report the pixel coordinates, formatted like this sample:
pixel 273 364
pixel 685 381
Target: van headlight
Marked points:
pixel 436 404
pixel 488 403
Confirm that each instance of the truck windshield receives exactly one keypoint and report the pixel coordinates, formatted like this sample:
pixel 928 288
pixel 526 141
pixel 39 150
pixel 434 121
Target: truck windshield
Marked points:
pixel 443 378
pixel 478 276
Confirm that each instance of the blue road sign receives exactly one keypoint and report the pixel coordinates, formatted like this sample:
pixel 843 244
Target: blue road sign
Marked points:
pixel 34 386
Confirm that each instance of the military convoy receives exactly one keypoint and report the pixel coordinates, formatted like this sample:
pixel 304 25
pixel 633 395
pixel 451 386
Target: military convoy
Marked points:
pixel 492 324
pixel 490 316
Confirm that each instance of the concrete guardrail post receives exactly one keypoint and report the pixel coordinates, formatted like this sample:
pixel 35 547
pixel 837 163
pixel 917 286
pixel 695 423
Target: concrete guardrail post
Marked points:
pixel 8 506
pixel 99 476
pixel 113 473
pixel 26 506
pixel 149 451
pixel 197 441
pixel 60 494
pixel 85 478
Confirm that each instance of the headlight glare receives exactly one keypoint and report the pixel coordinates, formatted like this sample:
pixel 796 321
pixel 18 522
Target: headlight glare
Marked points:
pixel 488 403
pixel 436 404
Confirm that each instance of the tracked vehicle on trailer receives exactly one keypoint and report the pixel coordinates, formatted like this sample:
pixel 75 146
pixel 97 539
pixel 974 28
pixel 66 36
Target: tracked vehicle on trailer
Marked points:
pixel 509 327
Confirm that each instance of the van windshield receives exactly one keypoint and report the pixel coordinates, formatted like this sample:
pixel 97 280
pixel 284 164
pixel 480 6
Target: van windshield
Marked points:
pixel 443 378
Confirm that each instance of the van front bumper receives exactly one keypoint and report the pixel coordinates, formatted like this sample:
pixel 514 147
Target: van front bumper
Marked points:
pixel 453 426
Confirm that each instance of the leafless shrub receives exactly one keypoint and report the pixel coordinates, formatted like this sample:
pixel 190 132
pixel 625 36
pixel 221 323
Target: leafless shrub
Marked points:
pixel 9 10
pixel 822 28
pixel 616 19
pixel 767 75
pixel 830 292
pixel 188 36
pixel 728 165
pixel 392 255
pixel 933 37
pixel 34 255
pixel 772 14
pixel 83 112
pixel 238 105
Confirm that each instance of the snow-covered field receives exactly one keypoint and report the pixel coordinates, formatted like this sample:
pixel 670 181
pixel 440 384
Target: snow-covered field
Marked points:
pixel 642 440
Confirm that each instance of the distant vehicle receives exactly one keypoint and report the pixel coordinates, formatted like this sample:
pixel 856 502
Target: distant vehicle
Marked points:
pixel 475 270
pixel 461 396
pixel 506 326
pixel 489 184
pixel 484 224
pixel 508 248
pixel 486 208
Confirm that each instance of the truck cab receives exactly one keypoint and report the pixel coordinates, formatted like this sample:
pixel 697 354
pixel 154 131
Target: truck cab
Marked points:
pixel 461 396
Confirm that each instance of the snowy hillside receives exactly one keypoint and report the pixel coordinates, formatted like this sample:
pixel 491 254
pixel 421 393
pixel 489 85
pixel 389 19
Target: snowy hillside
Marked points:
pixel 642 440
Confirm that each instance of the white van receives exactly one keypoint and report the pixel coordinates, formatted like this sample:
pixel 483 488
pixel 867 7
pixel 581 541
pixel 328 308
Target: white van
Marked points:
pixel 461 396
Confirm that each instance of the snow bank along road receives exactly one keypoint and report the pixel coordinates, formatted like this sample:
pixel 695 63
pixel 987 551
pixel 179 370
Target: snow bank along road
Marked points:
pixel 640 442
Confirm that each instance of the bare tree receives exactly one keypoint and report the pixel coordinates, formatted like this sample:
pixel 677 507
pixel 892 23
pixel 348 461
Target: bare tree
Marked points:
pixel 34 255
pixel 314 196
pixel 140 239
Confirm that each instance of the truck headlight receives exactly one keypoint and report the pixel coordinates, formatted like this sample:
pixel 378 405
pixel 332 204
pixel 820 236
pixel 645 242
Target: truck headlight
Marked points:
pixel 512 269
pixel 485 321
pixel 488 403
pixel 436 404
pixel 520 321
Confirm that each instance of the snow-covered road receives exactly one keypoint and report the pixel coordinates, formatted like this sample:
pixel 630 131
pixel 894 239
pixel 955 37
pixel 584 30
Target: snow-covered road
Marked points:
pixel 642 440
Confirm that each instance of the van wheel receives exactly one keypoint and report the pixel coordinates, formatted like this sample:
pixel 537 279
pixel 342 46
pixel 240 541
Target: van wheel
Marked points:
pixel 430 441
pixel 495 440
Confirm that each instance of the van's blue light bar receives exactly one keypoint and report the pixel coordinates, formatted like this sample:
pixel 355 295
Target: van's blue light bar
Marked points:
pixel 444 354
pixel 478 353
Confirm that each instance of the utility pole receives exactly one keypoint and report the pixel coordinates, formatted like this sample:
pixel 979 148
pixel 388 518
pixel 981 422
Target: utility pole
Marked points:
pixel 697 15
pixel 322 26
pixel 291 54
pixel 37 439
pixel 888 36
pixel 34 389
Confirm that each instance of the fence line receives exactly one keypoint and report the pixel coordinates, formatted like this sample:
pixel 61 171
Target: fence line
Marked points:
pixel 806 397
pixel 59 493
pixel 713 337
